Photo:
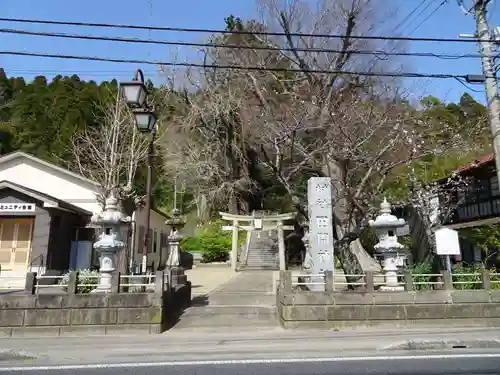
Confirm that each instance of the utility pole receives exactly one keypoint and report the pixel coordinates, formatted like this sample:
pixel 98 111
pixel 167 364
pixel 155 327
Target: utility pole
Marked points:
pixel 490 83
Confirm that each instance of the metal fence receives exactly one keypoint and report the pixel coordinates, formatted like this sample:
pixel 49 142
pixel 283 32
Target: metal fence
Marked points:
pixel 370 281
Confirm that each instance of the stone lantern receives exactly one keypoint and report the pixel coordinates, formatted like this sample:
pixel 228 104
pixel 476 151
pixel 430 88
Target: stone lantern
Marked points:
pixel 111 221
pixel 388 246
pixel 176 223
pixel 306 264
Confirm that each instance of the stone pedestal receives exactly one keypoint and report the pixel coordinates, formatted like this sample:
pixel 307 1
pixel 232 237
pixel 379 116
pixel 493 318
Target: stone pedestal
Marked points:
pixel 388 246
pixel 110 243
pixel 176 223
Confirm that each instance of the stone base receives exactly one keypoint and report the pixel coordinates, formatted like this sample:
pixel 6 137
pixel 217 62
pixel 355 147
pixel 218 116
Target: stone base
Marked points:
pixel 398 288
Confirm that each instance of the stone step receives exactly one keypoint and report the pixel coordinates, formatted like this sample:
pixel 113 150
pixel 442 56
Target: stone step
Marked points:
pixel 259 268
pixel 210 317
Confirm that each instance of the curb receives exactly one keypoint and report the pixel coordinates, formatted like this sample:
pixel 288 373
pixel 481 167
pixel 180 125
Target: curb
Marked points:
pixel 444 344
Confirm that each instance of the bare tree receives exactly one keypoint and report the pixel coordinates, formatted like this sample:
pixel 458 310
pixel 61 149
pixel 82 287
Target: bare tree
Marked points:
pixel 355 129
pixel 111 152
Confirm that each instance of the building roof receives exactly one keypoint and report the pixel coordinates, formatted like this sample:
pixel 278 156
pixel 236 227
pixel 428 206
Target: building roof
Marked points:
pixel 22 155
pixel 476 163
pixel 52 201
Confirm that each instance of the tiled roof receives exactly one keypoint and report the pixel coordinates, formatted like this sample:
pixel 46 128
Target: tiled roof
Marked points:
pixel 476 163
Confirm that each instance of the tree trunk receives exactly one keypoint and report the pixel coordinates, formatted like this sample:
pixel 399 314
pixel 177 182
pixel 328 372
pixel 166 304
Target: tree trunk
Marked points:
pixel 350 264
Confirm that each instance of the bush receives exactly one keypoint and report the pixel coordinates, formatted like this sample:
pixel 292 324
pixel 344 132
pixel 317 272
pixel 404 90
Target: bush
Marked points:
pixel 422 268
pixel 471 279
pixel 88 278
pixel 213 243
pixel 465 277
pixel 495 279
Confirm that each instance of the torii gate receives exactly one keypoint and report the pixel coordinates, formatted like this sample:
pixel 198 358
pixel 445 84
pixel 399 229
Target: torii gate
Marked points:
pixel 266 222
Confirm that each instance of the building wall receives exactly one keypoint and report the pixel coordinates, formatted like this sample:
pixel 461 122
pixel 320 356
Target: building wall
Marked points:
pixel 28 173
pixel 159 231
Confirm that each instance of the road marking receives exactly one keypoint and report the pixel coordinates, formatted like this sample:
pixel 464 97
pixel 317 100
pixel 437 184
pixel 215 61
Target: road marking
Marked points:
pixel 250 362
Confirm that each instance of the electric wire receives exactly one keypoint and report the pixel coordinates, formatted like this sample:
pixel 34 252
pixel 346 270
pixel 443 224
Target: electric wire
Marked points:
pixel 429 16
pixel 236 32
pixel 409 15
pixel 234 67
pixel 377 53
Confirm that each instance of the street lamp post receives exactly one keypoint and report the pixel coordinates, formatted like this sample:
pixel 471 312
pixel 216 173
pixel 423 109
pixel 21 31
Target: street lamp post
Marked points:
pixel 135 94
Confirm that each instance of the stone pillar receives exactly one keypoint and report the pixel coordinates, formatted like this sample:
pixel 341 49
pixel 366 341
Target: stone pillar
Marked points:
pixel 111 221
pixel 388 246
pixel 281 246
pixel 176 223
pixel 234 247
pixel 319 198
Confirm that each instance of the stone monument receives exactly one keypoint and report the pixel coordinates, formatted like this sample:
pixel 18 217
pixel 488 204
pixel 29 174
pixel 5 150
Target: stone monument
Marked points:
pixel 110 242
pixel 388 246
pixel 320 237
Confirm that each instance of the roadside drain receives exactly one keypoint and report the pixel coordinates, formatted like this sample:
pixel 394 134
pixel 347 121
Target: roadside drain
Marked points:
pixel 444 344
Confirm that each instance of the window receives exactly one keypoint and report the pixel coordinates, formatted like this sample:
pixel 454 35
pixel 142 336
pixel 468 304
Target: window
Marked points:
pixel 483 189
pixel 140 243
pixel 150 241
pixel 163 241
pixel 495 190
pixel 155 242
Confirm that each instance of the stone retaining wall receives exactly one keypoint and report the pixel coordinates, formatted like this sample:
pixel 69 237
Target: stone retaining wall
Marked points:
pixel 397 309
pixel 92 314
pixel 339 310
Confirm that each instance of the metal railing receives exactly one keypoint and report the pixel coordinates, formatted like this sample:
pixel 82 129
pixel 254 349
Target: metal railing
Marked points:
pixel 371 281
pixel 87 283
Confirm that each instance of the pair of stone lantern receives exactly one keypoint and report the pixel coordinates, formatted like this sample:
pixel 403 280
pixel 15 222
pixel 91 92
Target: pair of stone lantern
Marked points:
pixel 388 246
pixel 110 243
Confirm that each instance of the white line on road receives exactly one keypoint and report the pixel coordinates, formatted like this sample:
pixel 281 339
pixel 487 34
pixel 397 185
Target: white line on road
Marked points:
pixel 250 362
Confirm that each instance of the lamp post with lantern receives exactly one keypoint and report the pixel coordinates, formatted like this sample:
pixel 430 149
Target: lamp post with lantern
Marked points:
pixel 135 94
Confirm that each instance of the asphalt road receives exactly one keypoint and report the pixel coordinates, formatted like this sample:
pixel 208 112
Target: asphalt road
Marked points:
pixel 418 364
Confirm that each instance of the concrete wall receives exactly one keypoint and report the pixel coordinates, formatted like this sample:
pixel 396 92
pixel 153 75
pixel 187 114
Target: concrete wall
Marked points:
pixel 91 314
pixel 338 310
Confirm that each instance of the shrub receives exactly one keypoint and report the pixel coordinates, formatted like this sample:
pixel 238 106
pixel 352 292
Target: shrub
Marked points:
pixel 495 278
pixel 470 277
pixel 423 268
pixel 212 242
pixel 89 280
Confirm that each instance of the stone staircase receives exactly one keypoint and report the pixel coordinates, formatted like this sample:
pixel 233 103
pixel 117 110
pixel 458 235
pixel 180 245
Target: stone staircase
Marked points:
pixel 245 303
pixel 262 251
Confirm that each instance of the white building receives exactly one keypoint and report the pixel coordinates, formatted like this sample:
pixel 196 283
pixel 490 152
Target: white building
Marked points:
pixel 45 213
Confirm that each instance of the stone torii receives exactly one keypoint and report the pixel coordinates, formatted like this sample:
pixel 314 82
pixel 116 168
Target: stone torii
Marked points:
pixel 252 223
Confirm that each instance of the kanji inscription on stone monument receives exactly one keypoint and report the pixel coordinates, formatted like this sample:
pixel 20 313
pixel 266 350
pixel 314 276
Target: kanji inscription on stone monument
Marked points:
pixel 319 197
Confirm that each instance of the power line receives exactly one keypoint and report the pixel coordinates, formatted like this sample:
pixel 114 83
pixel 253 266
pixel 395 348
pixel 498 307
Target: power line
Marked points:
pixel 236 32
pixel 377 53
pixel 423 11
pixel 235 67
pixel 409 15
pixel 429 16
pixel 92 73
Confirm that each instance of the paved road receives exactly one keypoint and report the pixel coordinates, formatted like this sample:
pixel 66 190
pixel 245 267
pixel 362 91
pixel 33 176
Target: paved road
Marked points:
pixel 432 364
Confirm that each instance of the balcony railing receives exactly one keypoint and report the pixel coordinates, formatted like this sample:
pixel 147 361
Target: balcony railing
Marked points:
pixel 480 209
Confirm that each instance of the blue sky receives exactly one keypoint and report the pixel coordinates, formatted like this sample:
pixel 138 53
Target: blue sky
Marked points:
pixel 449 21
